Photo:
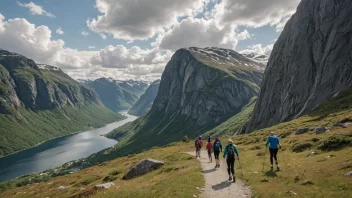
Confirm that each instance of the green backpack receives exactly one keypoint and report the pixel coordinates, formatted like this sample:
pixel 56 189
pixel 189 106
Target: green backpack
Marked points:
pixel 231 151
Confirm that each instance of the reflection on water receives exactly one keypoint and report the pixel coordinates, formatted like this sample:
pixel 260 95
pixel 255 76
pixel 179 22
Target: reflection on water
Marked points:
pixel 58 151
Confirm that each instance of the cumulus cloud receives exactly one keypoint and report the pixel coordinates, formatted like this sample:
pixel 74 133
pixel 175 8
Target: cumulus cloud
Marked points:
pixel 194 32
pixel 141 19
pixel 18 35
pixel 91 47
pixel 121 57
pixel 258 49
pixel 85 33
pixel 59 31
pixel 254 13
pixel 35 9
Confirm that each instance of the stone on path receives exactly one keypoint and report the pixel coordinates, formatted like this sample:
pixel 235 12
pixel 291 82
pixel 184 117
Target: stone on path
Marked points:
pixel 302 130
pixel 321 130
pixel 348 174
pixel 61 187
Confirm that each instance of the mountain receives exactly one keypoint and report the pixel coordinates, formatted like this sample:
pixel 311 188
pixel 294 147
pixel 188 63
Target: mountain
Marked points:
pixel 117 95
pixel 39 102
pixel 310 63
pixel 259 58
pixel 199 89
pixel 145 102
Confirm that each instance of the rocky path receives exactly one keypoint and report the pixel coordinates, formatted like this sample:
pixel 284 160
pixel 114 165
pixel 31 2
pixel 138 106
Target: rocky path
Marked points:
pixel 216 180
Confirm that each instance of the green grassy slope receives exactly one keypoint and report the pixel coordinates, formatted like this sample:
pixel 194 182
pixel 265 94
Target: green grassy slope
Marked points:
pixel 29 128
pixel 236 123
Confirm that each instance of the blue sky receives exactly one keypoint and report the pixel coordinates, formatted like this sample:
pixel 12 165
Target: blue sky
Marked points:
pixel 140 35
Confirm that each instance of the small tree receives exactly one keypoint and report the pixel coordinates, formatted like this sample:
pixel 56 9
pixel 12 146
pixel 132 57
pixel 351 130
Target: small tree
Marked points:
pixel 185 139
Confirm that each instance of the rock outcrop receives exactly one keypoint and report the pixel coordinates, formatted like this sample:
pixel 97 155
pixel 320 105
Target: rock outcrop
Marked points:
pixel 310 62
pixel 145 102
pixel 143 167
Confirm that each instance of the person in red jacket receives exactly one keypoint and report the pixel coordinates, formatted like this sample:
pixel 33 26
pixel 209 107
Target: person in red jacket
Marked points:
pixel 210 149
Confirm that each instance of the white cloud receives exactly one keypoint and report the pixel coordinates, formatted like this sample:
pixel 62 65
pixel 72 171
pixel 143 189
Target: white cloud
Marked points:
pixel 59 31
pixel 20 36
pixel 194 32
pixel 84 33
pixel 91 47
pixel 141 19
pixel 35 9
pixel 258 49
pixel 254 13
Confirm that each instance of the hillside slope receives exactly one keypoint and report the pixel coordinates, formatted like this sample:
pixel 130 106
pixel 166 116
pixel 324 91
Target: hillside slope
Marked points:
pixel 39 102
pixel 311 62
pixel 146 100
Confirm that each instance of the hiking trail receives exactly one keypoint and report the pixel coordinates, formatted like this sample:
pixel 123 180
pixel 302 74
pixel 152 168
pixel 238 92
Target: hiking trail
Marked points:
pixel 216 180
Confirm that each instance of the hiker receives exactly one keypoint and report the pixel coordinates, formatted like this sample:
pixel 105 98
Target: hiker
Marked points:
pixel 230 151
pixel 217 148
pixel 274 142
pixel 198 144
pixel 210 149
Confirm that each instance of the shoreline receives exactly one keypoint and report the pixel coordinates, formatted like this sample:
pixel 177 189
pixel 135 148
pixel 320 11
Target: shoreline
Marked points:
pixel 67 135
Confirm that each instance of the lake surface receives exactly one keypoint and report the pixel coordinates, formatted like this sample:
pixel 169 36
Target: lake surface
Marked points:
pixel 56 152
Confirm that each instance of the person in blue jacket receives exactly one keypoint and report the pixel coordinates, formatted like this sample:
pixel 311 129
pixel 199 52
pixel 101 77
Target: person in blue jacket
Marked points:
pixel 230 151
pixel 274 145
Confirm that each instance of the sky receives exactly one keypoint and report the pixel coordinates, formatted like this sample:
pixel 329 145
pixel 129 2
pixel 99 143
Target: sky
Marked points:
pixel 134 39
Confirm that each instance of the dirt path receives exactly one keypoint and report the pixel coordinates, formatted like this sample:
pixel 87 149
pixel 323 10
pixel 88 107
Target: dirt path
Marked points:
pixel 216 180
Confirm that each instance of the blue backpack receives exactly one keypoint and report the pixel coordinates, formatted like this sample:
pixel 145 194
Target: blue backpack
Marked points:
pixel 196 143
pixel 217 146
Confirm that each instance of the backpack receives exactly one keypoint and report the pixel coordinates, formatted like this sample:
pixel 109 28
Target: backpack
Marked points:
pixel 231 151
pixel 196 143
pixel 217 146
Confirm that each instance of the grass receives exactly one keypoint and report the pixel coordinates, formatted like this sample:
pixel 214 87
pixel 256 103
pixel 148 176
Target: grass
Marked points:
pixel 179 177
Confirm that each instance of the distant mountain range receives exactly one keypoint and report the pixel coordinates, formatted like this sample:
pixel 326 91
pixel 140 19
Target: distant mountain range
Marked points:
pixel 145 102
pixel 115 94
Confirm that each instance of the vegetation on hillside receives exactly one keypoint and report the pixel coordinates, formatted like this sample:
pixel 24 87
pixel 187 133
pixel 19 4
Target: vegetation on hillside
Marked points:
pixel 29 128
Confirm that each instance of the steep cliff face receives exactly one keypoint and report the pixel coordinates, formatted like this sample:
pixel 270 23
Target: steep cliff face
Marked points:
pixel 146 101
pixel 37 86
pixel 310 62
pixel 206 86
pixel 116 95
pixel 199 89
pixel 39 102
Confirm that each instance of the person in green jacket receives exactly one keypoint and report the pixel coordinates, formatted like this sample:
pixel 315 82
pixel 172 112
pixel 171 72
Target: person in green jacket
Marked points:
pixel 229 152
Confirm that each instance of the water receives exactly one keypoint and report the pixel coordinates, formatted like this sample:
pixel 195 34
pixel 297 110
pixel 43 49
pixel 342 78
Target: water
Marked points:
pixel 58 151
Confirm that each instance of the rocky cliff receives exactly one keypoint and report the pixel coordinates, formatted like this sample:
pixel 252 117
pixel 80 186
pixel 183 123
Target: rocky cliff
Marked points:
pixel 199 89
pixel 117 95
pixel 39 102
pixel 145 102
pixel 311 62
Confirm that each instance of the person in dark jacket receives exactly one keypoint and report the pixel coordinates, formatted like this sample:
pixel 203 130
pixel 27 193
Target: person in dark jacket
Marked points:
pixel 230 151
pixel 217 148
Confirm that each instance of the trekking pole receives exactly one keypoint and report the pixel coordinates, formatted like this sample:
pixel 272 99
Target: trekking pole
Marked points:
pixel 241 168
pixel 264 159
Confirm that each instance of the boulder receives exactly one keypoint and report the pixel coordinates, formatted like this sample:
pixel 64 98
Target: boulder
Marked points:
pixel 343 125
pixel 105 185
pixel 143 167
pixel 348 174
pixel 321 130
pixel 302 130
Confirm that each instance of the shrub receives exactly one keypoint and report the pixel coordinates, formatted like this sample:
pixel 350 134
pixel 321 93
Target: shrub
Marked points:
pixel 301 147
pixel 87 180
pixel 185 139
pixel 335 142
pixel 109 178
pixel 114 172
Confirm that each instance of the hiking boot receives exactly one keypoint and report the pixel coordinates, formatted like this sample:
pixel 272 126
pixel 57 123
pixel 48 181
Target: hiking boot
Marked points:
pixel 234 179
pixel 230 178
pixel 278 168
pixel 271 167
